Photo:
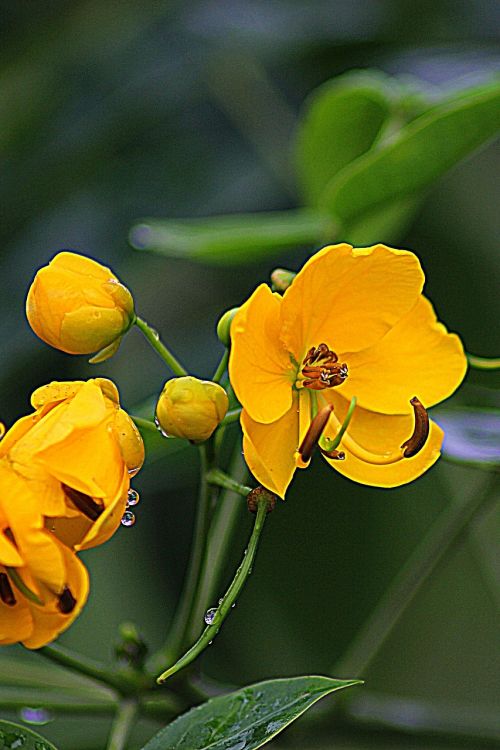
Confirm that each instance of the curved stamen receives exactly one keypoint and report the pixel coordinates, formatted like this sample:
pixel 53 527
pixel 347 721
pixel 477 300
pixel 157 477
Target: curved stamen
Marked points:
pixel 22 587
pixel 85 504
pixel 313 434
pixel 410 448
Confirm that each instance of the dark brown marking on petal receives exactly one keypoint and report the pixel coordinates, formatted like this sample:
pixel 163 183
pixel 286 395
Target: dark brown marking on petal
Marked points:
pixel 416 442
pixel 85 504
pixel 314 432
pixel 10 536
pixel 67 601
pixel 6 593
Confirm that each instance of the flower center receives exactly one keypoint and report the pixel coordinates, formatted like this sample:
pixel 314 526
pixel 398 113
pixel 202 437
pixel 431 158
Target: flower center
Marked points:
pixel 321 369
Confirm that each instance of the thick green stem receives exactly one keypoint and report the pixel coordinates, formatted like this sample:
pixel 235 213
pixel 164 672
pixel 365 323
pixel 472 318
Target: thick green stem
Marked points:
pixel 82 664
pixel 154 339
pixel 221 479
pixel 444 535
pixel 218 616
pixel 123 724
pixel 221 367
pixel 483 363
pixel 177 633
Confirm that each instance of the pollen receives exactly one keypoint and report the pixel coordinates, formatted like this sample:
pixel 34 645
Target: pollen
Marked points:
pixel 321 369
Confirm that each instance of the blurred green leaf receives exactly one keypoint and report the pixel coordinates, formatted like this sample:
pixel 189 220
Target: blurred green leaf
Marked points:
pixel 417 156
pixel 341 121
pixel 237 238
pixel 15 736
pixel 247 718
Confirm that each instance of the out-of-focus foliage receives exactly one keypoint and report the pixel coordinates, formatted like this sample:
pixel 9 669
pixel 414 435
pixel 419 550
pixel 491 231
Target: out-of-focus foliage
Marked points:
pixel 189 109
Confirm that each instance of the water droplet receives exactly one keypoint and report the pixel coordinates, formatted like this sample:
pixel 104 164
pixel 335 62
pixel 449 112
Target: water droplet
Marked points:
pixel 12 740
pixel 132 497
pixel 41 746
pixel 34 715
pixel 210 615
pixel 160 428
pixel 210 643
pixel 220 600
pixel 233 605
pixel 128 518
pixel 154 333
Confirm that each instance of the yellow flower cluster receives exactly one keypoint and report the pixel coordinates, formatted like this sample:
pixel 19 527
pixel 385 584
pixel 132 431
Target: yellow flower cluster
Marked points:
pixel 65 475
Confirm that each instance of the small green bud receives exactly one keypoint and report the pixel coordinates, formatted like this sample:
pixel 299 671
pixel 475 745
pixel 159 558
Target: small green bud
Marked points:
pixel 190 408
pixel 281 279
pixel 224 326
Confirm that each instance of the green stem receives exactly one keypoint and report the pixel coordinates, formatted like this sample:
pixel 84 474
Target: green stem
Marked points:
pixel 483 363
pixel 444 535
pixel 221 367
pixel 221 479
pixel 145 424
pixel 84 665
pixel 154 339
pixel 21 586
pixel 177 633
pixel 231 416
pixel 226 515
pixel 335 442
pixel 123 724
pixel 227 601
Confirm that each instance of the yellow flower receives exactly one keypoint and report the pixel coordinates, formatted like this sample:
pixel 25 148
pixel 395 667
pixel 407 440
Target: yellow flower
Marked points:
pixel 190 408
pixel 64 481
pixel 353 324
pixel 79 306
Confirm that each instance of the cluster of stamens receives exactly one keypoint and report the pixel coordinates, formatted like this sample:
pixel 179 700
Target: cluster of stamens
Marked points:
pixel 321 369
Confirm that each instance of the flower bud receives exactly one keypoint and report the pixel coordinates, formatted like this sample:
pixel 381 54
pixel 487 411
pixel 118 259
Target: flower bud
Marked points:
pixel 190 408
pixel 79 306
pixel 281 279
pixel 224 326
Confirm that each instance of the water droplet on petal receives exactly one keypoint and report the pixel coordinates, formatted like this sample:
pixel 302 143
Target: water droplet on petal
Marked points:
pixel 128 518
pixel 210 616
pixel 160 428
pixel 34 715
pixel 132 497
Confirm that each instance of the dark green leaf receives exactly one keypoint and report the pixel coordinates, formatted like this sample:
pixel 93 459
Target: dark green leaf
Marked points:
pixel 232 239
pixel 471 436
pixel 246 719
pixel 342 119
pixel 420 153
pixel 13 736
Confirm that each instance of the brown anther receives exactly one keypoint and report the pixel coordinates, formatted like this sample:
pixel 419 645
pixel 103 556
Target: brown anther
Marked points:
pixel 321 369
pixel 85 504
pixel 420 432
pixel 313 434
pixel 336 455
pixel 6 593
pixel 10 536
pixel 257 495
pixel 67 601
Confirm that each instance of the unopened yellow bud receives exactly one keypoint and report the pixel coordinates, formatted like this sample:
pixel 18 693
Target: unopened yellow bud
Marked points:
pixel 224 326
pixel 190 408
pixel 79 306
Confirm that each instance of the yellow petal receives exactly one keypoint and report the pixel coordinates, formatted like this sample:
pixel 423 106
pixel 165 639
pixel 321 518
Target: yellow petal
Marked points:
pixel 54 392
pixel 48 621
pixel 16 622
pixel 270 449
pixel 109 520
pixel 381 433
pixel 418 357
pixel 260 369
pixel 88 329
pixel 349 298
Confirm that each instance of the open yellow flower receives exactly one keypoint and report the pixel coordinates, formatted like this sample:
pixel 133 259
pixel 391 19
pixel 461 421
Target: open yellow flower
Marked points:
pixel 76 453
pixel 352 324
pixel 79 306
pixel 64 483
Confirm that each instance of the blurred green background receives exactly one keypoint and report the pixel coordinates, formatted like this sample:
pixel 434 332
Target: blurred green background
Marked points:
pixel 111 111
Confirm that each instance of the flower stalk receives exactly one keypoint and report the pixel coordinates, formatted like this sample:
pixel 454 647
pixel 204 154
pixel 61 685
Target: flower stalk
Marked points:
pixel 152 336
pixel 227 601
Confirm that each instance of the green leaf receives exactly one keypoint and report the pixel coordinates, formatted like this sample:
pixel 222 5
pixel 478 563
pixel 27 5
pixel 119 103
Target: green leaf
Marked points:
pixel 13 736
pixel 233 239
pixel 247 718
pixel 417 156
pixel 342 119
